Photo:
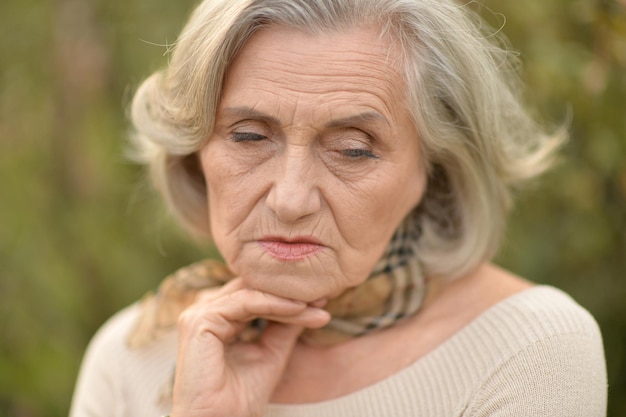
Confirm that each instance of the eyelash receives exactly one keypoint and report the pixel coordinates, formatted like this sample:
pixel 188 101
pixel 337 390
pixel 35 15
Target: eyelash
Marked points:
pixel 247 137
pixel 357 154
pixel 351 154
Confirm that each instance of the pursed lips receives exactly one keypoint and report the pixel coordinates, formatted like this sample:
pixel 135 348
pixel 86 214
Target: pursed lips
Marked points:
pixel 290 249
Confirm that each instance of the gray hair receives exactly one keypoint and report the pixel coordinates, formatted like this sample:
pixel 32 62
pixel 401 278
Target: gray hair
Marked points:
pixel 477 138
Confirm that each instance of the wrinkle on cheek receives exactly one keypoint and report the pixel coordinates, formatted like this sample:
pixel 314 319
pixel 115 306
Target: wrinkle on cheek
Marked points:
pixel 338 279
pixel 367 204
pixel 318 229
pixel 348 271
pixel 233 193
pixel 268 225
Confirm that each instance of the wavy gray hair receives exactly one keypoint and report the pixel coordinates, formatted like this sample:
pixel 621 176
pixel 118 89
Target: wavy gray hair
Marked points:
pixel 476 136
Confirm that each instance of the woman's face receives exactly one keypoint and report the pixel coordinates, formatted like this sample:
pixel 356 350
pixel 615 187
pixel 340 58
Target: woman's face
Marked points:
pixel 313 163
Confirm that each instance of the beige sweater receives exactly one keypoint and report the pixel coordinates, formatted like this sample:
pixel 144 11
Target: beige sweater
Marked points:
pixel 537 353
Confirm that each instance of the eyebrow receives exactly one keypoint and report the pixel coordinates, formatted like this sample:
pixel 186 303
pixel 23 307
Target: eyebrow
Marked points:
pixel 250 113
pixel 357 119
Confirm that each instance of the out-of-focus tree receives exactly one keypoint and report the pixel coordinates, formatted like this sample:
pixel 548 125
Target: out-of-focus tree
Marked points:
pixel 81 235
pixel 570 231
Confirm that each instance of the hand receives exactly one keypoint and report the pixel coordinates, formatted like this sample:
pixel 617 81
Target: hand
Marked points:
pixel 216 375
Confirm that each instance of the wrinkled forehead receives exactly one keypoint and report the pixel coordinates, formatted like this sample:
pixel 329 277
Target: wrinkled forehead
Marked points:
pixel 355 63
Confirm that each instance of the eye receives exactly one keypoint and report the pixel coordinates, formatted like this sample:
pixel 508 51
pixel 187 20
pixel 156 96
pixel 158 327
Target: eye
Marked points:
pixel 357 154
pixel 246 137
pixel 352 145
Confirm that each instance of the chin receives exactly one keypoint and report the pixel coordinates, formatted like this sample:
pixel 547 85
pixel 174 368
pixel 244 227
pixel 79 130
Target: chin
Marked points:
pixel 307 289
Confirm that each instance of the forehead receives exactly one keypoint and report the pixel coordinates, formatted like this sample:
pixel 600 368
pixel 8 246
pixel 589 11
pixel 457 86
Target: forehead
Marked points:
pixel 354 66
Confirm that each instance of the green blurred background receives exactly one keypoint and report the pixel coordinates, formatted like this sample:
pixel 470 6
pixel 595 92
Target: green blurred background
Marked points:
pixel 82 235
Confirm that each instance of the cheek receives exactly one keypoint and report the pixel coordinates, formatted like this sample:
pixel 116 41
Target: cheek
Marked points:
pixel 377 213
pixel 390 196
pixel 232 191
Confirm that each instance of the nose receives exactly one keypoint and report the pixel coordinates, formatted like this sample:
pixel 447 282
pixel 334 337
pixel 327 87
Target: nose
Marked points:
pixel 294 194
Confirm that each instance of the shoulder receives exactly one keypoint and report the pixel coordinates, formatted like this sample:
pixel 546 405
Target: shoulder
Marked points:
pixel 115 379
pixel 542 311
pixel 97 390
pixel 495 308
pixel 493 304
pixel 546 354
pixel 113 333
pixel 110 341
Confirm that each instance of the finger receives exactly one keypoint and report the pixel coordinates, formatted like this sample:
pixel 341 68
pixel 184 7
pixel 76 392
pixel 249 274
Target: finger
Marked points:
pixel 319 303
pixel 278 341
pixel 210 294
pixel 277 335
pixel 223 316
pixel 311 317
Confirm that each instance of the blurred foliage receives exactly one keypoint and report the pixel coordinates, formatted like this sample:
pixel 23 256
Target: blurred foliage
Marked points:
pixel 81 235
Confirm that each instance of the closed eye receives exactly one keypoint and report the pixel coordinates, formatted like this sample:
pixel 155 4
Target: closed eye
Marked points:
pixel 358 154
pixel 247 137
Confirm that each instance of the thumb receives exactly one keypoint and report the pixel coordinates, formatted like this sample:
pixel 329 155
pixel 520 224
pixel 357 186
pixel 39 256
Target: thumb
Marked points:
pixel 279 339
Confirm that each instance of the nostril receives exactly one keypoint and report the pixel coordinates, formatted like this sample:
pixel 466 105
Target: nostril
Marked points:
pixel 292 200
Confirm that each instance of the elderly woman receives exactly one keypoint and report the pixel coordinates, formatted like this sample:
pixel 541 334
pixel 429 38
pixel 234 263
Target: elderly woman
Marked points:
pixel 352 161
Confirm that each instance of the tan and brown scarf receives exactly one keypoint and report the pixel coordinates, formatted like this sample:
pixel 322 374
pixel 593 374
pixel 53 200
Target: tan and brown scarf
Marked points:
pixel 395 289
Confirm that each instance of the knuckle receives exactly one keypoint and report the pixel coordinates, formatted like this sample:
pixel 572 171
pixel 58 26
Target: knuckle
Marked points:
pixel 206 295
pixel 187 318
pixel 201 321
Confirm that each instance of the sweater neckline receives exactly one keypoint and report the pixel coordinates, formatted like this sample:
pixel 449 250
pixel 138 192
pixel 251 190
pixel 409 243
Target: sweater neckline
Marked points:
pixel 489 317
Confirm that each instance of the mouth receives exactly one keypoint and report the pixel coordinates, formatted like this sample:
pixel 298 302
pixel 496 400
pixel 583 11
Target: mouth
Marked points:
pixel 290 249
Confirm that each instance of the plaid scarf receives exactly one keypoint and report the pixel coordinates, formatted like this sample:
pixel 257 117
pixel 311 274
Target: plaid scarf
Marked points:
pixel 395 289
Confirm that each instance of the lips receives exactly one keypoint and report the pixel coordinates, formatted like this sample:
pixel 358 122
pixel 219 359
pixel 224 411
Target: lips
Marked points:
pixel 290 249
